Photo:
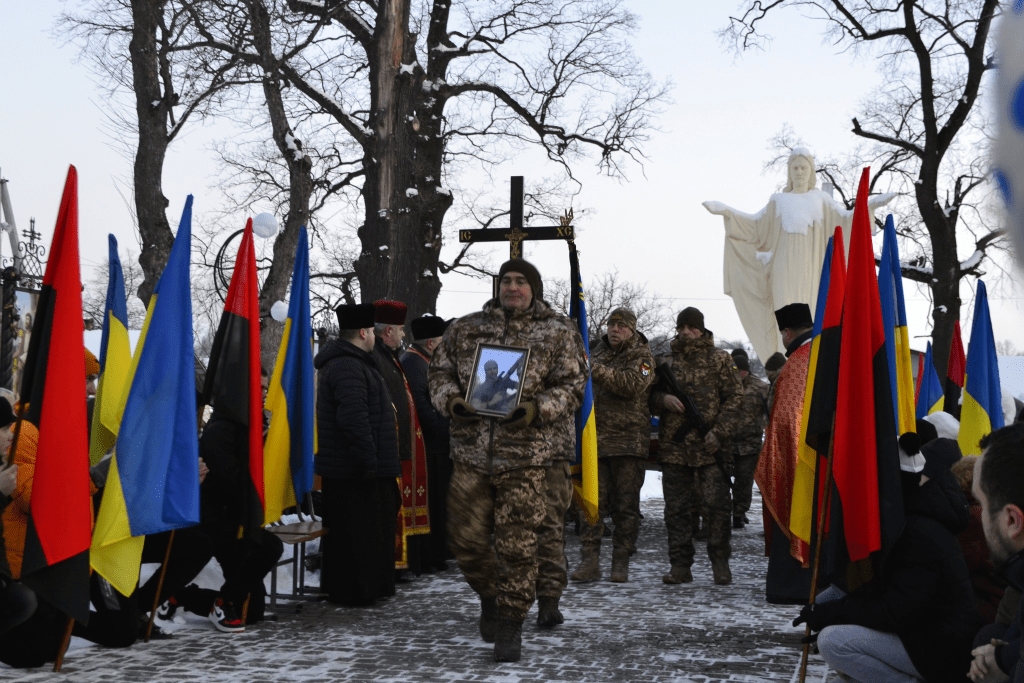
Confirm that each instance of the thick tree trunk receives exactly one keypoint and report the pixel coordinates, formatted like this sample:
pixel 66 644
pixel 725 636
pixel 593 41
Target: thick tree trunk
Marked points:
pixel 945 284
pixel 152 108
pixel 403 164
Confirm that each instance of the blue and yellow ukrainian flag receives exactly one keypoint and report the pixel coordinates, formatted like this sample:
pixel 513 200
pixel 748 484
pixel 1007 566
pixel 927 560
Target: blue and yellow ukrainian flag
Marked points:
pixel 897 339
pixel 291 439
pixel 584 463
pixel 982 411
pixel 802 508
pixel 115 362
pixel 929 396
pixel 153 483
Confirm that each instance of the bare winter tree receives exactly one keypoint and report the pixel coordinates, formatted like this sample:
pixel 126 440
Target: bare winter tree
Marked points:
pixel 167 92
pixel 94 291
pixel 420 85
pixel 606 293
pixel 922 131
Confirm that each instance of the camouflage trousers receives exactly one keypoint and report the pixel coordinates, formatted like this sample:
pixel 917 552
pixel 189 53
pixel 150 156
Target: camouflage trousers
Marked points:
pixel 684 488
pixel 510 505
pixel 551 572
pixel 619 482
pixel 743 485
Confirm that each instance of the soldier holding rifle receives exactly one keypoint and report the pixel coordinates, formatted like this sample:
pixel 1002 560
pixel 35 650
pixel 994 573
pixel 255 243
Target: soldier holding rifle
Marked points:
pixel 696 399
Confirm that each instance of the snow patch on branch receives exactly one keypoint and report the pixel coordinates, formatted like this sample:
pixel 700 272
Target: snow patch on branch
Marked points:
pixel 407 69
pixel 973 261
pixel 411 192
pixel 294 145
pixel 445 48
pixel 444 190
pixel 917 269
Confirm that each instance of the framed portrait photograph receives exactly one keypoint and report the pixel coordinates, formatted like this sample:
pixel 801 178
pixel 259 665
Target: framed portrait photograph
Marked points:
pixel 497 381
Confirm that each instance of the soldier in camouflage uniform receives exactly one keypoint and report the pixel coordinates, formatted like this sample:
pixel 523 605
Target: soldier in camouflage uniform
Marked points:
pixel 622 370
pixel 748 437
pixel 501 464
pixel 707 375
pixel 552 577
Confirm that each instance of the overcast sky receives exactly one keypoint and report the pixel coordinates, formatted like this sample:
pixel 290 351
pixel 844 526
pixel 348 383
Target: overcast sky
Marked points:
pixel 713 144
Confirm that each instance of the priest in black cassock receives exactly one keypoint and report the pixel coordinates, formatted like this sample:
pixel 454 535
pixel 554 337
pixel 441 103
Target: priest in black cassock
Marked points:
pixel 426 333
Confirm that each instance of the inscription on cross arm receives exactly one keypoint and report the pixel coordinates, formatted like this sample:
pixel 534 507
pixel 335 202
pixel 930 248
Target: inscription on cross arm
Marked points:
pixel 517 234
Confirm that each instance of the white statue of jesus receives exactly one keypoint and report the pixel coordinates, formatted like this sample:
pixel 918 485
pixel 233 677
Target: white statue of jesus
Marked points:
pixel 773 257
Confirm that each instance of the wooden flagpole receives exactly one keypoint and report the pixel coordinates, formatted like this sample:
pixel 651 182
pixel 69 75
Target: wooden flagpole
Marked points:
pixel 822 516
pixel 64 645
pixel 159 586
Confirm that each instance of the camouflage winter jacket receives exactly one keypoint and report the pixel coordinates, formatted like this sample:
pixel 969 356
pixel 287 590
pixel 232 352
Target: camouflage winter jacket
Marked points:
pixel 556 375
pixel 708 376
pixel 752 418
pixel 622 385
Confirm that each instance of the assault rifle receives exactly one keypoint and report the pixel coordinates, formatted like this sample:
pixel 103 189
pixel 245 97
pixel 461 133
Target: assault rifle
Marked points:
pixel 692 419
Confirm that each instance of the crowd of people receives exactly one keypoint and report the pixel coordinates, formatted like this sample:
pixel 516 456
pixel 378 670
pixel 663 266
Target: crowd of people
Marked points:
pixel 418 466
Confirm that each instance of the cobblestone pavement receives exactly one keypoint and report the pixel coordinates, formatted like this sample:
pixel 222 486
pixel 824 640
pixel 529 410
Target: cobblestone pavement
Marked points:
pixel 643 630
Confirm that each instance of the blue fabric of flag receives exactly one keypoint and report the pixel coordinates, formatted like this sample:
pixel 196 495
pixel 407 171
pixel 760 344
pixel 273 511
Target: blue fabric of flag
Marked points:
pixel 157 447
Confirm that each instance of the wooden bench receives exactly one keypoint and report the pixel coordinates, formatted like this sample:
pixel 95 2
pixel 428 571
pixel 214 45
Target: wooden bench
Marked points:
pixel 296 534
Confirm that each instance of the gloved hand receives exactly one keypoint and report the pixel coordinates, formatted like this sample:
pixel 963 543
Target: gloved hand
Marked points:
pixel 461 410
pixel 521 416
pixel 815 616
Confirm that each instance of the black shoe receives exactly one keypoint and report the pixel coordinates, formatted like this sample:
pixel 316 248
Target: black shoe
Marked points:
pixel 508 645
pixel 224 617
pixel 737 522
pixel 165 612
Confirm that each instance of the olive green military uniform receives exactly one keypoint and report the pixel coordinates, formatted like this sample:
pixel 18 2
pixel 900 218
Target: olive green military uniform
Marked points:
pixel 747 441
pixel 498 484
pixel 622 379
pixel 708 376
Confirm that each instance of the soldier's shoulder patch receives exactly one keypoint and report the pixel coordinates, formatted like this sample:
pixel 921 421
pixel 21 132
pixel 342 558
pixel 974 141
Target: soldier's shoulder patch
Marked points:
pixel 645 368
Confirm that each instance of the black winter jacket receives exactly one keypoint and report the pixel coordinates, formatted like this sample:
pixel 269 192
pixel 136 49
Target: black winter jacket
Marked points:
pixel 925 595
pixel 434 425
pixel 357 431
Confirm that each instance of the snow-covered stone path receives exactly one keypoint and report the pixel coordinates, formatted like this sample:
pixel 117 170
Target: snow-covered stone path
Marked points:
pixel 643 630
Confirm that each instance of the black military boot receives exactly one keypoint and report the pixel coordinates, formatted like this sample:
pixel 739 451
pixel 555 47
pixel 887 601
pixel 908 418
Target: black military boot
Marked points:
pixel 508 647
pixel 488 619
pixel 548 614
pixel 720 570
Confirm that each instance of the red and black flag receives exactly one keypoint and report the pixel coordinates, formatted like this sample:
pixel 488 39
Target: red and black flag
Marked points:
pixel 232 384
pixel 867 501
pixel 954 374
pixel 54 552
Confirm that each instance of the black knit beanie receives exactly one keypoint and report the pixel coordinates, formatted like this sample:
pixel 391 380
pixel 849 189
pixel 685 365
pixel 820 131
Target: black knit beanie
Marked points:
pixel 529 271
pixel 692 317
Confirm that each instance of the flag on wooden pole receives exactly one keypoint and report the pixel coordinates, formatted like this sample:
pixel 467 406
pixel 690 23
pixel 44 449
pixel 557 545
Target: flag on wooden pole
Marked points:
pixel 290 444
pixel 153 482
pixel 55 545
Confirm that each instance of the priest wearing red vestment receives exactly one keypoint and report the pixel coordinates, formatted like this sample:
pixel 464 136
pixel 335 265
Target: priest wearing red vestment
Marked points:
pixel 789 576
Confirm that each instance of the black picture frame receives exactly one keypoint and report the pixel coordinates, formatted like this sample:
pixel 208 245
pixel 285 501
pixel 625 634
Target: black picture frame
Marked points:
pixel 499 397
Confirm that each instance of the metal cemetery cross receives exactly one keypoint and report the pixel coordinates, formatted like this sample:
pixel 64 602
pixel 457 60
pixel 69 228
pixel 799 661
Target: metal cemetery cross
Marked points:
pixel 517 233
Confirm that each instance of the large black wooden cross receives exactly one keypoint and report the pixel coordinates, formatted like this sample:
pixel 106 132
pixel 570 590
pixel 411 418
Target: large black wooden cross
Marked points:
pixel 517 233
